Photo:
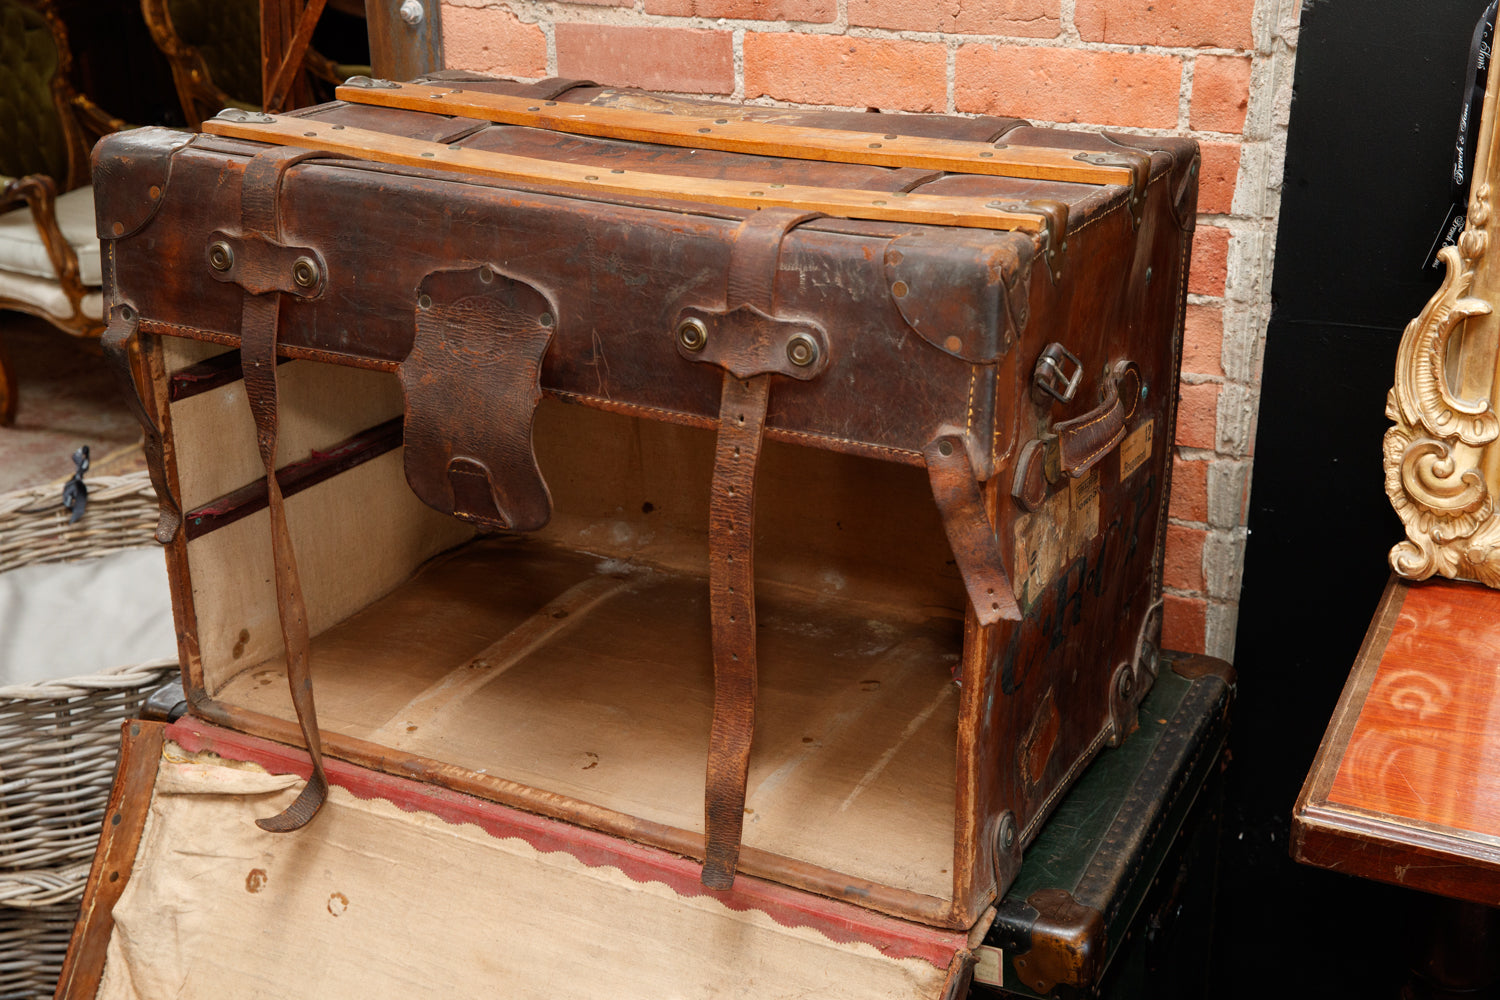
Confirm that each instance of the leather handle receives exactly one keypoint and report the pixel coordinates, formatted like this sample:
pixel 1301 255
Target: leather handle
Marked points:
pixel 1083 441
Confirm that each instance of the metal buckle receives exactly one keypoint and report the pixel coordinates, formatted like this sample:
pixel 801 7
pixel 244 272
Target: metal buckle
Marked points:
pixel 1051 377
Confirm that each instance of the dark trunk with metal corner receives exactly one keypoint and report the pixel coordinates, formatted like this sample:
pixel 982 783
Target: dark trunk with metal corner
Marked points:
pixel 1116 896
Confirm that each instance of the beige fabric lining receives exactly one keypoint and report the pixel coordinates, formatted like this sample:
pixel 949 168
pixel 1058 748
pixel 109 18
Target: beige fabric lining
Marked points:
pixel 373 902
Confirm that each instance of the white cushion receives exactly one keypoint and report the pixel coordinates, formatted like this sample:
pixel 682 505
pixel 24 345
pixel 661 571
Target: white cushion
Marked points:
pixel 47 295
pixel 21 247
pixel 60 620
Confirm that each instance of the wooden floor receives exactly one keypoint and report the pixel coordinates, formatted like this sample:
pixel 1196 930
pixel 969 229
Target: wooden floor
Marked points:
pixel 67 398
pixel 481 661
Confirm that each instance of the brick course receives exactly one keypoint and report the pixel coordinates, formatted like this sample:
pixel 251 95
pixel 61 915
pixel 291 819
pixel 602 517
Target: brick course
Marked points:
pixel 677 59
pixel 837 69
pixel 1175 23
pixel 1069 85
pixel 1016 18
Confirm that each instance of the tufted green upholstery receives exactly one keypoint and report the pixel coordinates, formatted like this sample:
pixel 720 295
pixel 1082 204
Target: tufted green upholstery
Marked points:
pixel 31 133
pixel 226 34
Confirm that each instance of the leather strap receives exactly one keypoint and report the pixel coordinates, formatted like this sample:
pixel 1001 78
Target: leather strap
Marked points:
pixel 553 87
pixel 259 329
pixel 971 535
pixel 116 341
pixel 731 555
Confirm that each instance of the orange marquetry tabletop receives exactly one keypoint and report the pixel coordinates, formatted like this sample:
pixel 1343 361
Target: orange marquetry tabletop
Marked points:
pixel 1406 785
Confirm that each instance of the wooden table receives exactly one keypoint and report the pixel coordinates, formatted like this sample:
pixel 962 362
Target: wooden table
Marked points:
pixel 1406 785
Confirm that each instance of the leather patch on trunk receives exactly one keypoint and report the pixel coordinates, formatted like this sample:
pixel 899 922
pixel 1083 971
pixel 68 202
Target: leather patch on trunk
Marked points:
pixel 1040 740
pixel 472 382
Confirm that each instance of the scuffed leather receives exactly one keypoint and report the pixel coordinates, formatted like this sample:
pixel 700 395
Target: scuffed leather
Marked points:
pixel 472 382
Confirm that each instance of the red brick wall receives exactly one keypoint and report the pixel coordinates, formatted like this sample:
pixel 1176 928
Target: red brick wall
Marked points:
pixel 1217 70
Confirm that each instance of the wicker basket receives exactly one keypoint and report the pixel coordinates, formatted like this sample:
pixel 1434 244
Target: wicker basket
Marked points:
pixel 33 944
pixel 59 738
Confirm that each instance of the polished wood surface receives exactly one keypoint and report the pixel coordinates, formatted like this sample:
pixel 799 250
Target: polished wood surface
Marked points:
pixel 1406 786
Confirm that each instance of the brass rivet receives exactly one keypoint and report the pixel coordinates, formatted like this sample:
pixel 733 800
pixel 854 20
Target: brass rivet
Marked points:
pixel 591 177
pixel 337 127
pixel 778 185
pixel 545 319
pixel 424 301
pixel 953 344
pixel 802 350
pixel 486 275
pixel 721 121
pixel 429 154
pixel 756 194
pixel 891 135
pixel 305 272
pixel 945 448
pixel 705 130
pixel 617 171
pixel 533 108
pixel 155 191
pixel 899 289
pixel 874 145
pixel 1126 684
pixel 309 134
pixel 220 256
pixel 692 334
pixel 877 202
pixel 550 104
pixel 986 153
pixel 117 228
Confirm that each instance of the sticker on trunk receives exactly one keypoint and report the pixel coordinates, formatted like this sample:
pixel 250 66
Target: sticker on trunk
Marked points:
pixel 1135 450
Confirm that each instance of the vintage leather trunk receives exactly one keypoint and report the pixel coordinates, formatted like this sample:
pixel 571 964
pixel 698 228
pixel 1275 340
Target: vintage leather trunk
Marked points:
pixel 818 542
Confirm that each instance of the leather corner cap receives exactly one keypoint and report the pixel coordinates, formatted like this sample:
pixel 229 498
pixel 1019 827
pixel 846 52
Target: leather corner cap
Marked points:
pixel 131 170
pixel 960 295
pixel 1068 943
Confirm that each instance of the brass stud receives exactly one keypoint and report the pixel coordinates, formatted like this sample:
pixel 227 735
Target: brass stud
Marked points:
pixel 945 448
pixel 692 334
pixel 305 272
pixel 899 289
pixel 424 301
pixel 802 350
pixel 220 256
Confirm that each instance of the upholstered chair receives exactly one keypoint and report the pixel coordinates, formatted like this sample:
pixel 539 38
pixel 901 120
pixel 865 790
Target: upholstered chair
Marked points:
pixel 49 251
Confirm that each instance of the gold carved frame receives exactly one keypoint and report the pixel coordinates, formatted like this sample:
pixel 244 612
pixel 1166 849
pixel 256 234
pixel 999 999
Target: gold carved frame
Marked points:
pixel 1442 465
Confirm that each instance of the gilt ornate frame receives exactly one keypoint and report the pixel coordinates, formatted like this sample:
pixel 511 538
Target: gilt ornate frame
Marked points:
pixel 1442 462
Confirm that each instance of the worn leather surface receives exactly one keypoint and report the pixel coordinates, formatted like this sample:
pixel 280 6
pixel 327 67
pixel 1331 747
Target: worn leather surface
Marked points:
pixel 472 382
pixel 117 341
pixel 749 285
pixel 259 327
pixel 1085 439
pixel 955 488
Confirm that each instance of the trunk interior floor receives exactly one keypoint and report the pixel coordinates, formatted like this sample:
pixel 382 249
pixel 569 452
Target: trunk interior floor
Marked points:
pixel 592 678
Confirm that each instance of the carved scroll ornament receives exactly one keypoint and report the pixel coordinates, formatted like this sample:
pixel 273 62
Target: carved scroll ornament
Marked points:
pixel 1435 453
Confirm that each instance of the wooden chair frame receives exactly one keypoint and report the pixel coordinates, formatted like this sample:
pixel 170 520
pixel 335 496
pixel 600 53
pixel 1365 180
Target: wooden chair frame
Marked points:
pixel 83 122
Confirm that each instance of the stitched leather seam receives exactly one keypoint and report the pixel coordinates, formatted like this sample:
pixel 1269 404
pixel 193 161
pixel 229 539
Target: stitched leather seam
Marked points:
pixel 698 421
pixel 969 423
pixel 1106 446
pixel 1110 211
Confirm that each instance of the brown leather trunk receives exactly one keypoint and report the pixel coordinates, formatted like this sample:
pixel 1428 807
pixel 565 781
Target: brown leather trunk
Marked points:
pixel 587 500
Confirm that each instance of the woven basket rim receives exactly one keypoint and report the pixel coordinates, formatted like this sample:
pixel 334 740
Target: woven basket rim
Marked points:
pixel 21 499
pixel 112 678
